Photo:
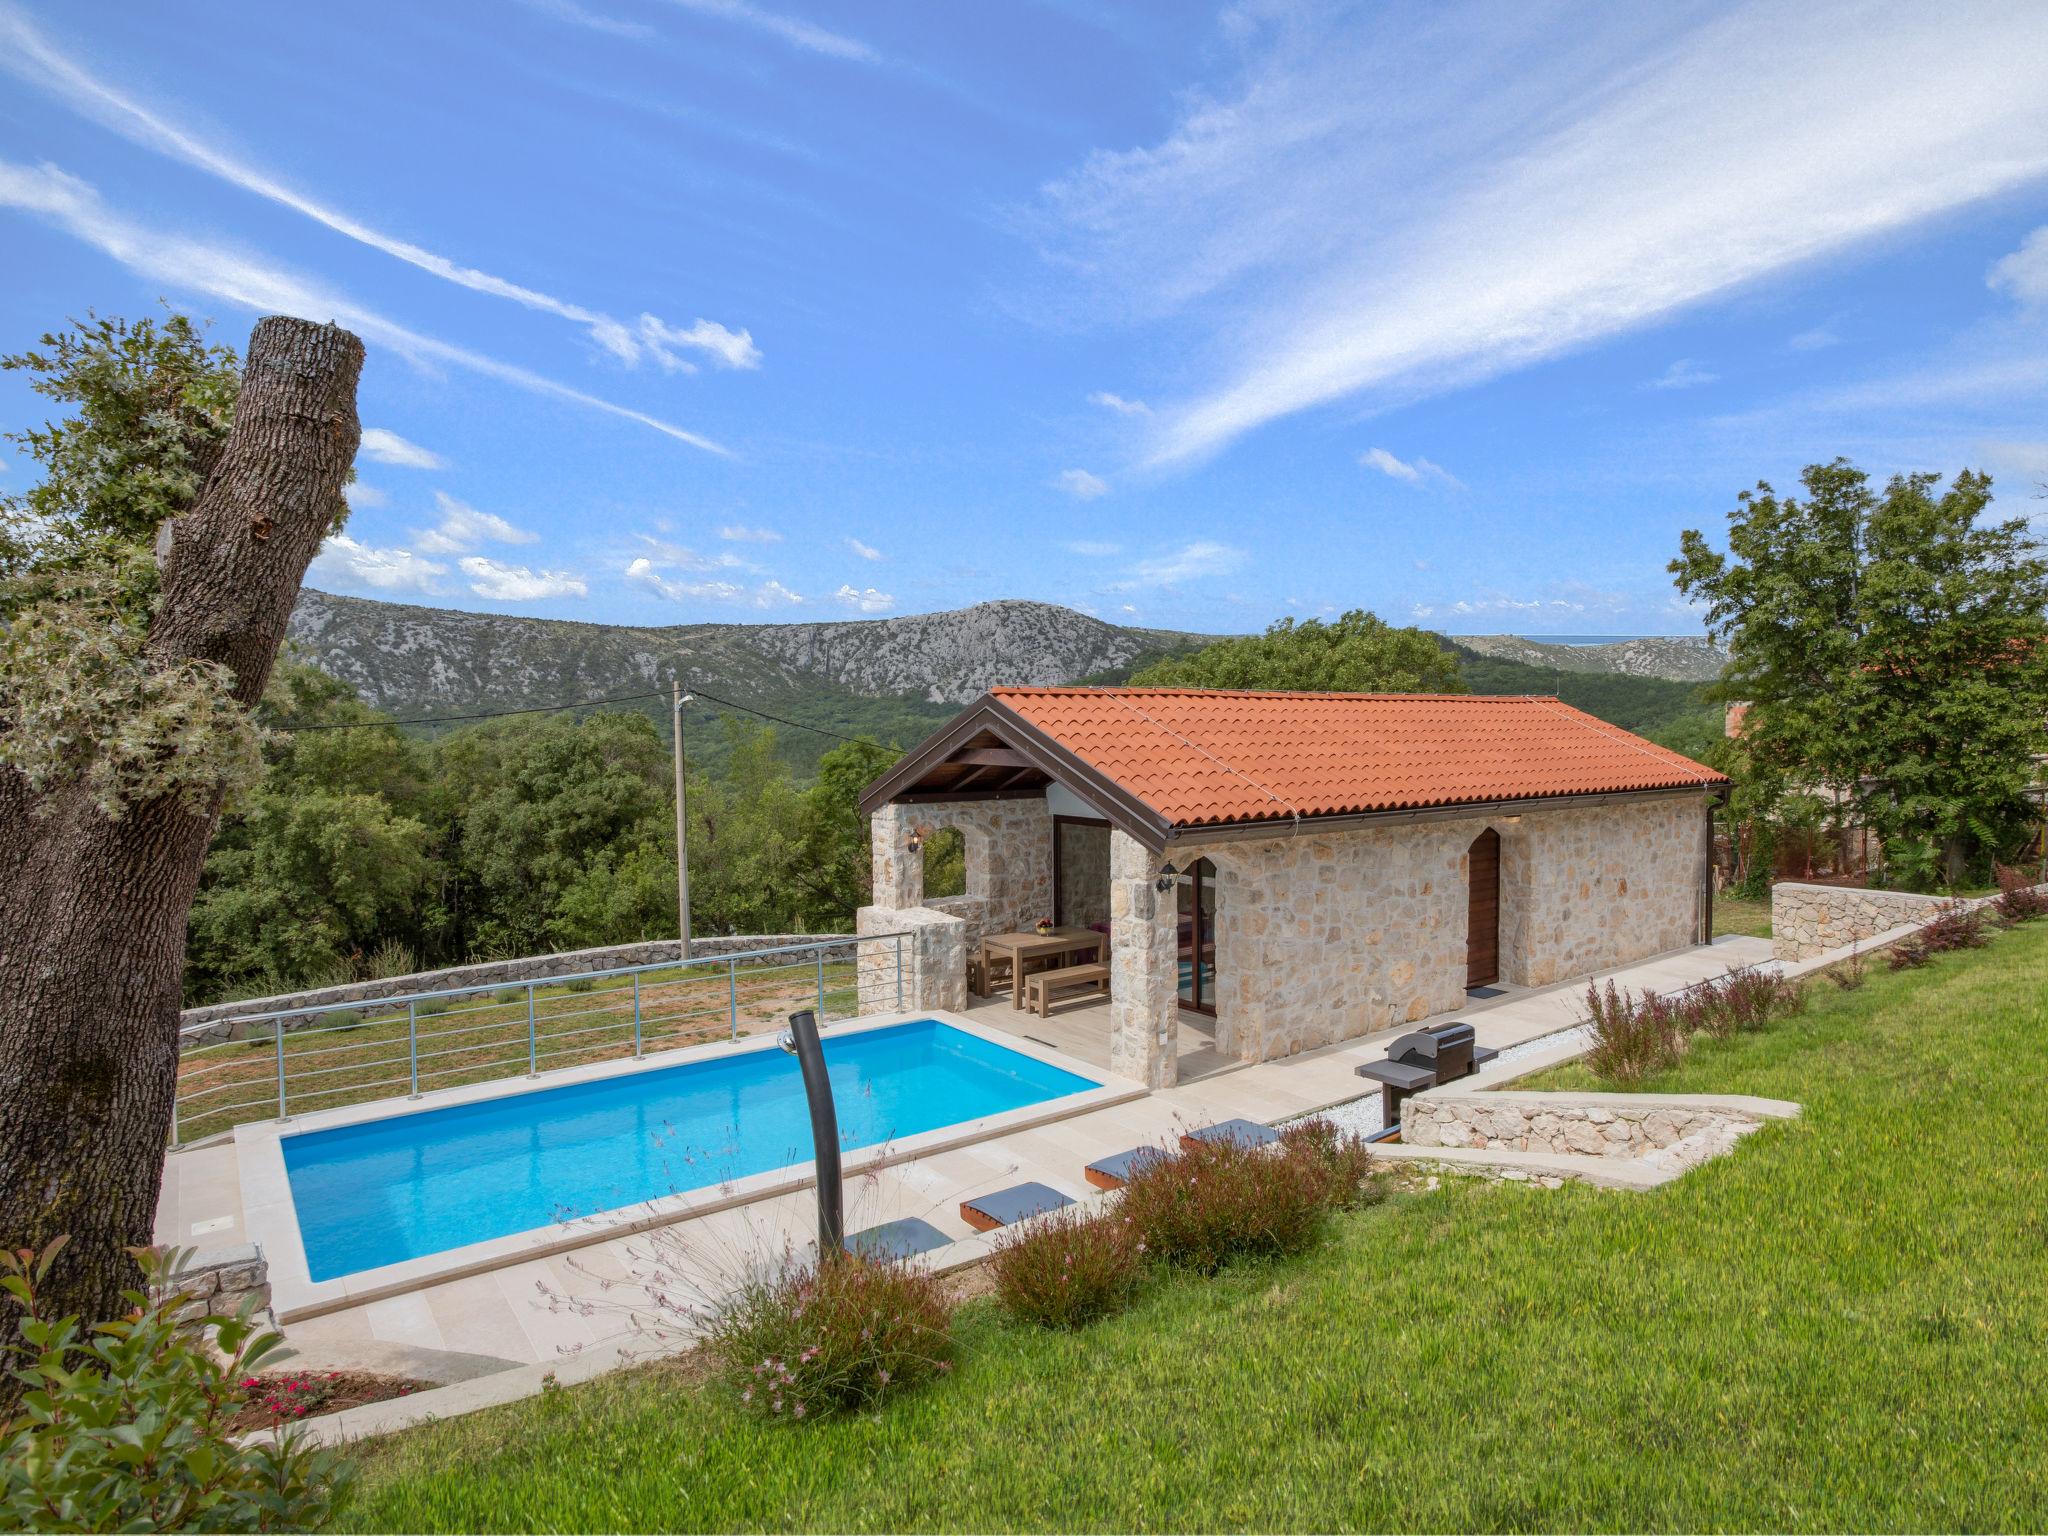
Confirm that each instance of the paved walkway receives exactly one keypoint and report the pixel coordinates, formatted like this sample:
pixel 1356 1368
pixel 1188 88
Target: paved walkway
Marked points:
pixel 523 1314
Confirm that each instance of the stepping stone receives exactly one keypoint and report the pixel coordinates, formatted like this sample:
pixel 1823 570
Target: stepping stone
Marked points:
pixel 1115 1172
pixel 896 1239
pixel 985 1213
pixel 1246 1133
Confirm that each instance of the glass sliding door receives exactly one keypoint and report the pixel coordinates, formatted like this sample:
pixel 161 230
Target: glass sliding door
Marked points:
pixel 1195 936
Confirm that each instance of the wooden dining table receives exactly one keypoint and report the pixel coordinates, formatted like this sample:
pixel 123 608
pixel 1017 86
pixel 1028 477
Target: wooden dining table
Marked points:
pixel 1062 943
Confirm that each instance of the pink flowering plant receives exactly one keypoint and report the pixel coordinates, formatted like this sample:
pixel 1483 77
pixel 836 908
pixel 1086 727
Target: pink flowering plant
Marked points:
pixel 1068 1268
pixel 811 1342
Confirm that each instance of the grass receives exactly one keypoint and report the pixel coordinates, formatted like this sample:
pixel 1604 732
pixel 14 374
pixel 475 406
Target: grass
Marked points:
pixel 1734 914
pixel 360 1053
pixel 1840 1326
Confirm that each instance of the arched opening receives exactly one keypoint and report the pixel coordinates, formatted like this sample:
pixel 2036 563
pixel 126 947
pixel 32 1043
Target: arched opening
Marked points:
pixel 945 864
pixel 1482 911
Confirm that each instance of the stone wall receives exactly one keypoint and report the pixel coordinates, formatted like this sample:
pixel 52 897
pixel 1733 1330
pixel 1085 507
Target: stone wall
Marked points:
pixel 1596 1124
pixel 222 1280
pixel 1808 919
pixel 930 964
pixel 1009 864
pixel 1592 888
pixel 1324 937
pixel 492 973
pixel 1144 994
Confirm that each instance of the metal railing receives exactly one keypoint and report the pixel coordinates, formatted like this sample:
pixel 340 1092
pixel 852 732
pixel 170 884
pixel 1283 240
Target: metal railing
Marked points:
pixel 292 1060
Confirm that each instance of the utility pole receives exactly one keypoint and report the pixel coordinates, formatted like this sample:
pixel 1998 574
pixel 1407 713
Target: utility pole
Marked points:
pixel 679 699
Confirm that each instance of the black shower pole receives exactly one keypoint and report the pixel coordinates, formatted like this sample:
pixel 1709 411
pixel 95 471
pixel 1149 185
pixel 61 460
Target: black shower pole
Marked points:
pixel 801 1041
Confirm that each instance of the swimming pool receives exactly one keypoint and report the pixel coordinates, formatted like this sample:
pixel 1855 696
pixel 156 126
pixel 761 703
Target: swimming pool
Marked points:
pixel 382 1191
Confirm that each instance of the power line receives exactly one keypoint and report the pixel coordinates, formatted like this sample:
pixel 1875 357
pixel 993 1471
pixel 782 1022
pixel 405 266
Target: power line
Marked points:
pixel 493 714
pixel 546 709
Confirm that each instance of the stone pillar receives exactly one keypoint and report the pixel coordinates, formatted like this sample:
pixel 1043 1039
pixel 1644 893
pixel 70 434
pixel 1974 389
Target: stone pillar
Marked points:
pixel 1144 991
pixel 924 970
pixel 899 873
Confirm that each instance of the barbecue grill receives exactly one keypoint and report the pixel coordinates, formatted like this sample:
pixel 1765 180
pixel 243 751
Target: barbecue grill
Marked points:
pixel 1439 1053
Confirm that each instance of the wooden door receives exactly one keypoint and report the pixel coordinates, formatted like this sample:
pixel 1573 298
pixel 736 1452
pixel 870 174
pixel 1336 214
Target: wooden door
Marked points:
pixel 1482 920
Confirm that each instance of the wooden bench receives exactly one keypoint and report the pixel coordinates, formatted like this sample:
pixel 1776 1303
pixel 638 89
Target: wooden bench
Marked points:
pixel 1040 986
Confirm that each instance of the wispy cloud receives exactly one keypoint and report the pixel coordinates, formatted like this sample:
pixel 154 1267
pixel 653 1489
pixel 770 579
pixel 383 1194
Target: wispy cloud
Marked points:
pixel 642 572
pixel 865 551
pixel 1092 549
pixel 579 16
pixel 1682 374
pixel 358 496
pixel 1813 340
pixel 790 29
pixel 1080 484
pixel 348 563
pixel 26 53
pixel 740 533
pixel 517 583
pixel 865 599
pixel 379 444
pixel 1409 472
pixel 1205 557
pixel 662 554
pixel 1119 404
pixel 462 528
pixel 1510 189
pixel 2024 274
pixel 249 282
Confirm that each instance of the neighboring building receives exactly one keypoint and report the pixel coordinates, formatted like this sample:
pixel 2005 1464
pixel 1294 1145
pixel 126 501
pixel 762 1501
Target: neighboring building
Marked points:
pixel 1303 867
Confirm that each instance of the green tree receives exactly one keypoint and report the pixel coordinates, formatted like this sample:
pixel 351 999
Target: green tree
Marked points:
pixel 323 863
pixel 1893 652
pixel 145 586
pixel 527 804
pixel 1359 653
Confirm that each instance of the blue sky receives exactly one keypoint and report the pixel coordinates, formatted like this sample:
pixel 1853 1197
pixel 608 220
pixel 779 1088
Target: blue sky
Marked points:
pixel 716 310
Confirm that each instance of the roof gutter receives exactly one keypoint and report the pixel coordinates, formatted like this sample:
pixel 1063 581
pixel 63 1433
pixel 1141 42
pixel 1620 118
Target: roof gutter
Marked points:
pixel 1247 831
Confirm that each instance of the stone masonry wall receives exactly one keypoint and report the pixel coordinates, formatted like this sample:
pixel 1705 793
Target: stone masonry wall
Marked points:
pixel 1144 977
pixel 1324 937
pixel 1596 1125
pixel 1588 889
pixel 1009 861
pixel 930 963
pixel 1807 919
pixel 222 1280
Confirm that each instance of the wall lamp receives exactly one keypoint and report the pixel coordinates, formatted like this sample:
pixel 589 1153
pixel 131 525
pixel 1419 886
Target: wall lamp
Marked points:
pixel 1167 875
pixel 917 837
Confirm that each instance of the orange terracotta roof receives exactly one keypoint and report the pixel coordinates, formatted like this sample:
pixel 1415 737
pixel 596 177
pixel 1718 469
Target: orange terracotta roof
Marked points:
pixel 1205 757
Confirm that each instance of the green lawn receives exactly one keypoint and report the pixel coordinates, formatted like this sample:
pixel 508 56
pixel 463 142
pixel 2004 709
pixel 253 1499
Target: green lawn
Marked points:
pixel 1733 914
pixel 1842 1325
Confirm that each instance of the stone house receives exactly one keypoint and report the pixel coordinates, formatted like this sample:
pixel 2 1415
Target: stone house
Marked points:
pixel 1299 868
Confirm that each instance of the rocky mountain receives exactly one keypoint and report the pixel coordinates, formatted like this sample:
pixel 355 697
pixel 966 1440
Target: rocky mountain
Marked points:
pixel 430 661
pixel 1682 658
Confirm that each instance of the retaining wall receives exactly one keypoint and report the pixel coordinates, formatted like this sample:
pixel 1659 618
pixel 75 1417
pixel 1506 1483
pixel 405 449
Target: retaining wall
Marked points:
pixel 1590 1124
pixel 1807 920
pixel 222 1280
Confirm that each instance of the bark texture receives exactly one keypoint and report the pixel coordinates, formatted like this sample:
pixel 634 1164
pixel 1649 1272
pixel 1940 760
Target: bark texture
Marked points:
pixel 93 910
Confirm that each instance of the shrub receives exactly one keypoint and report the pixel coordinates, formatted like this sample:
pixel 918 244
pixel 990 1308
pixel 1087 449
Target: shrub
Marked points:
pixel 1070 1268
pixel 1955 925
pixel 1849 975
pixel 509 995
pixel 128 1427
pixel 1357 1180
pixel 1220 1200
pixel 1743 1000
pixel 815 1340
pixel 1633 1036
pixel 579 984
pixel 1908 955
pixel 2019 901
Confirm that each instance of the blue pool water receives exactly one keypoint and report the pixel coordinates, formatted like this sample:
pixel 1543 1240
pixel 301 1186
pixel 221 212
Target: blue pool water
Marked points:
pixel 387 1190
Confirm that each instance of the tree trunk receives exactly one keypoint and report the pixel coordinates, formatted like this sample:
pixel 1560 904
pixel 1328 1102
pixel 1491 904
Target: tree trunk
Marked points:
pixel 93 909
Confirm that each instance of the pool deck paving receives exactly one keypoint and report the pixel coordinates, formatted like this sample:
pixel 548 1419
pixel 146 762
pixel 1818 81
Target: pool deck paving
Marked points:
pixel 588 1305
